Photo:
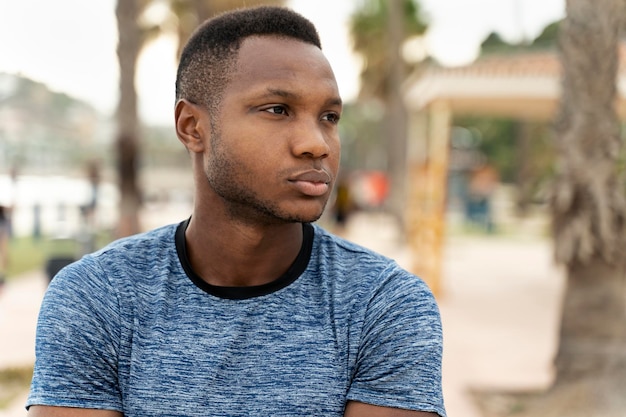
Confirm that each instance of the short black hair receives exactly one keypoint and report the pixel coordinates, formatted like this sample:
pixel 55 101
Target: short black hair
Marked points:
pixel 207 60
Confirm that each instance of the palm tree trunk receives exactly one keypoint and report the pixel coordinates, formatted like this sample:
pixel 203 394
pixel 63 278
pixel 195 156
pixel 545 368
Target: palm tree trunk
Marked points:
pixel 396 115
pixel 589 215
pixel 593 336
pixel 524 174
pixel 127 142
pixel 203 9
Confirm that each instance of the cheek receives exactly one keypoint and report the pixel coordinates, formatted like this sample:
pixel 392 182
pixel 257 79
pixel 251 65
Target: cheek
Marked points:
pixel 335 153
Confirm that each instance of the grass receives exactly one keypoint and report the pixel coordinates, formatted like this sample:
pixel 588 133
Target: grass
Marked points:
pixel 28 254
pixel 13 382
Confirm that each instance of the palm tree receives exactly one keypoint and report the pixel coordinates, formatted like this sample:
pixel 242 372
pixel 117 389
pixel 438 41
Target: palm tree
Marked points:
pixel 127 142
pixel 186 15
pixel 379 29
pixel 589 220
pixel 589 212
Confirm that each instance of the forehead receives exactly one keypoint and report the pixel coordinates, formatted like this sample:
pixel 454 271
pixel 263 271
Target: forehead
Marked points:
pixel 277 62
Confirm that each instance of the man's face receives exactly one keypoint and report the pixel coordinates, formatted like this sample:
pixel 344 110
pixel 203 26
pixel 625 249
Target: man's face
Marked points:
pixel 274 149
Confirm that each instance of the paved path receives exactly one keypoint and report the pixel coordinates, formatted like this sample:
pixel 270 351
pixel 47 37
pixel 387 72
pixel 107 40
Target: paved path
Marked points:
pixel 500 309
pixel 499 306
pixel 19 306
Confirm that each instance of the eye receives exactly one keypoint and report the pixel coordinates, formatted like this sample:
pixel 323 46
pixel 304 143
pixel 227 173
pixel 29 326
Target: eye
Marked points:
pixel 281 110
pixel 332 118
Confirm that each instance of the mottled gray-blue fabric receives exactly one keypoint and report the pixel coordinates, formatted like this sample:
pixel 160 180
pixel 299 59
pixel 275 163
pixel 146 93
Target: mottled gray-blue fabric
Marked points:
pixel 127 329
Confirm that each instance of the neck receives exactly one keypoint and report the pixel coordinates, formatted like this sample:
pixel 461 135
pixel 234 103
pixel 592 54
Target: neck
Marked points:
pixel 234 254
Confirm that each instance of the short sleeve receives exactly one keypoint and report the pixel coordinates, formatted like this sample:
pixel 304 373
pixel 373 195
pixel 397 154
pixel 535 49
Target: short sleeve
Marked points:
pixel 77 341
pixel 400 353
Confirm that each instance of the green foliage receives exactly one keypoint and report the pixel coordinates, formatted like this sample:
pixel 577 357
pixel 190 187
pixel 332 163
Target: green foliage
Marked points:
pixel 369 30
pixel 547 39
pixel 494 43
pixel 41 129
pixel 496 142
pixel 370 20
pixel 499 142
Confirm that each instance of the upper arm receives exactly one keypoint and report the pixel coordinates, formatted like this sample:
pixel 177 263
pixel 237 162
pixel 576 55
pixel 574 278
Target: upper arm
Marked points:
pixel 400 350
pixel 77 342
pixel 357 409
pixel 47 411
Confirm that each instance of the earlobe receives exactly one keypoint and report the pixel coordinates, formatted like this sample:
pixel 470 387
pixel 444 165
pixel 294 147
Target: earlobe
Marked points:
pixel 188 128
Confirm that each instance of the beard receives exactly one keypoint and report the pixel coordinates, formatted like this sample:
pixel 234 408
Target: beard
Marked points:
pixel 234 185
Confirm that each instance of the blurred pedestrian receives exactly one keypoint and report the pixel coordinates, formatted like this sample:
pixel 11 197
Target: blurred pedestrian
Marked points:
pixel 247 308
pixel 4 243
pixel 343 206
pixel 482 185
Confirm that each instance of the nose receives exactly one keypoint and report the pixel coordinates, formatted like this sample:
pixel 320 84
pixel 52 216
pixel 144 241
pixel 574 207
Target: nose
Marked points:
pixel 311 140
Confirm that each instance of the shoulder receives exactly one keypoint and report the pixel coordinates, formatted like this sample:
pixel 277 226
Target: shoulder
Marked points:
pixel 110 267
pixel 344 252
pixel 394 319
pixel 360 266
pixel 144 250
pixel 142 243
pixel 369 282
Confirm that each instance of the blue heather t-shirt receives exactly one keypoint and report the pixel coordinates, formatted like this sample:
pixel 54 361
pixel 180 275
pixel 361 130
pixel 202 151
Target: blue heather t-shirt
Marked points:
pixel 132 328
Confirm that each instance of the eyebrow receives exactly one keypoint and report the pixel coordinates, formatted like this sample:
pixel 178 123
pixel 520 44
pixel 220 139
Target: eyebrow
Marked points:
pixel 288 94
pixel 281 93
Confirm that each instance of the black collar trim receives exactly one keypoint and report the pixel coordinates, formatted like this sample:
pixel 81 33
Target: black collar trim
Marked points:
pixel 240 293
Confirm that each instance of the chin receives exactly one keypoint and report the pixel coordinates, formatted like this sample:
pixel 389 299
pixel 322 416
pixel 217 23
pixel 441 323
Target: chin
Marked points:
pixel 311 219
pixel 307 211
pixel 311 215
pixel 300 217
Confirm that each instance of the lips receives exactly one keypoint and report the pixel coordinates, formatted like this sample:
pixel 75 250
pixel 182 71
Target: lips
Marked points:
pixel 313 175
pixel 312 183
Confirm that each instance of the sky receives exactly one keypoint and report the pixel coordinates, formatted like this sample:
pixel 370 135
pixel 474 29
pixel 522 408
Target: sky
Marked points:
pixel 70 44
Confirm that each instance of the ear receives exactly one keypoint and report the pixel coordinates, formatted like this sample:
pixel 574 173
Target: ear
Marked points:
pixel 188 127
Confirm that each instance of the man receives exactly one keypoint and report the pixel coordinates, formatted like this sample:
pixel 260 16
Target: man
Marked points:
pixel 246 308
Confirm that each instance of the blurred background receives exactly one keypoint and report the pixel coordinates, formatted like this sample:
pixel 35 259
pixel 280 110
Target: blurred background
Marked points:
pixel 450 159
